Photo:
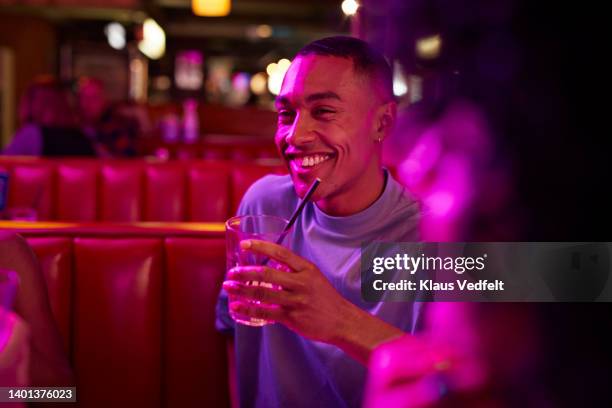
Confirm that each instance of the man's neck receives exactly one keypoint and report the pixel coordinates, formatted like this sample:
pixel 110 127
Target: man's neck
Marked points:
pixel 360 196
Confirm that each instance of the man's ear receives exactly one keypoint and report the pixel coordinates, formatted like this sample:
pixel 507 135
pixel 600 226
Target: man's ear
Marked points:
pixel 385 120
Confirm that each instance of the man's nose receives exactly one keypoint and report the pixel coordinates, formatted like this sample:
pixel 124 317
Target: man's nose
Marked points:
pixel 300 132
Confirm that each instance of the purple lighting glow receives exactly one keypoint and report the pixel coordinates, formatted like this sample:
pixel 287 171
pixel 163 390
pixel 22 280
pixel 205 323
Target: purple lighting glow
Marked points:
pixel 444 164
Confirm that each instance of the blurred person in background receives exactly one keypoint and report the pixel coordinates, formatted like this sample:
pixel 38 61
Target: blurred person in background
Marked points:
pixel 113 132
pixel 49 126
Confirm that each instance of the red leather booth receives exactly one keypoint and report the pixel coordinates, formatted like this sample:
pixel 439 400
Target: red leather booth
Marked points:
pixel 135 305
pixel 133 300
pixel 130 190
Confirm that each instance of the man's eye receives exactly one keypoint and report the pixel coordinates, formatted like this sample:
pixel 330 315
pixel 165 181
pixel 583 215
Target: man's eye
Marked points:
pixel 323 112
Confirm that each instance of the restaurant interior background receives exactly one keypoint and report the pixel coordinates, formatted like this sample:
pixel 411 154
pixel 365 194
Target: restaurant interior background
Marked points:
pixel 502 109
pixel 526 73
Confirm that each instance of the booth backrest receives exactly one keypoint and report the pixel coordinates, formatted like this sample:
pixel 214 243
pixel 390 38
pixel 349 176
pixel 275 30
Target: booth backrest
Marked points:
pixel 130 190
pixel 136 308
pixel 238 150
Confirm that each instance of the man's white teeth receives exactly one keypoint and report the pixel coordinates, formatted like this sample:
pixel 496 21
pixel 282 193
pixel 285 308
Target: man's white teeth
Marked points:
pixel 309 161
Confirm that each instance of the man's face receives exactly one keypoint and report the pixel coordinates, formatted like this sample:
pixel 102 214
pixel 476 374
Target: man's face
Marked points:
pixel 326 115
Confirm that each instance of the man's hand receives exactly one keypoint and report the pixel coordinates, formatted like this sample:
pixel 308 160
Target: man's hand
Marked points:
pixel 304 300
pixel 445 365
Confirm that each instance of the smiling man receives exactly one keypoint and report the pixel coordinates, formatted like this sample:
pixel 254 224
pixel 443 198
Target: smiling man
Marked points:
pixel 335 108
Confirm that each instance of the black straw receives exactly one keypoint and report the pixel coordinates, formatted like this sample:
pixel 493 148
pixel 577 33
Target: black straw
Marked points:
pixel 296 214
pixel 300 208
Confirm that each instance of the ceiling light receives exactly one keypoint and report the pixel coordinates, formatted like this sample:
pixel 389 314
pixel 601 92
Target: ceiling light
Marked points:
pixel 153 43
pixel 115 35
pixel 429 47
pixel 211 8
pixel 349 7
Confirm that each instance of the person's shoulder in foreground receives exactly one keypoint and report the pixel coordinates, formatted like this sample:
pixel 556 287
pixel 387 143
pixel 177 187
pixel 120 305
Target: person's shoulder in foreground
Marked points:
pixel 48 364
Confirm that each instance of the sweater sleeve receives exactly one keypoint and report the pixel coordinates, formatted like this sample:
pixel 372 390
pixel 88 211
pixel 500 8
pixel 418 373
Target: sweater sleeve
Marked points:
pixel 27 141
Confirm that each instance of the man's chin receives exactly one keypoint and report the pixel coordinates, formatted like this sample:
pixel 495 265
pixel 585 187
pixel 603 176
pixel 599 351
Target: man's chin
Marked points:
pixel 301 186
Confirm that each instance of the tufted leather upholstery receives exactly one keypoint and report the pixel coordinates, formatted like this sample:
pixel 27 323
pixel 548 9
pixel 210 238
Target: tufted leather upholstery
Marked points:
pixel 117 320
pixel 208 192
pixel 121 195
pixel 168 181
pixel 135 305
pixel 35 186
pixel 78 179
pixel 192 285
pixel 130 190
pixel 55 256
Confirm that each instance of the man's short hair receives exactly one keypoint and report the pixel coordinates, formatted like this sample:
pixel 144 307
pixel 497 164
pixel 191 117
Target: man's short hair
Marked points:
pixel 366 59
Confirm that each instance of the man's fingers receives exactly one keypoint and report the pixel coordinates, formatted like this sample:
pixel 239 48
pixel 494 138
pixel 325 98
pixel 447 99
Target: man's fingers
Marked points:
pixel 258 293
pixel 262 274
pixel 276 252
pixel 261 311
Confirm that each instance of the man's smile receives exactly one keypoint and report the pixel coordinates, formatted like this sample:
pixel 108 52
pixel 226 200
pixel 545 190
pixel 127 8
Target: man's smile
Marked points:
pixel 303 163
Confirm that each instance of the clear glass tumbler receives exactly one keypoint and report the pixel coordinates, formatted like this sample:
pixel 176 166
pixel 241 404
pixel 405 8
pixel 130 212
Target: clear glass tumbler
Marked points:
pixel 263 227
